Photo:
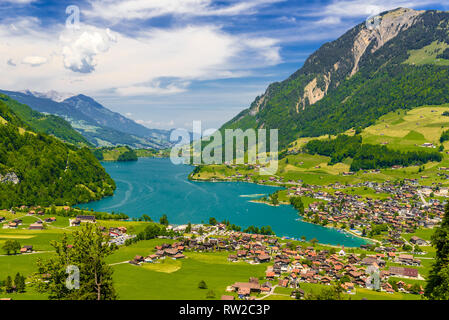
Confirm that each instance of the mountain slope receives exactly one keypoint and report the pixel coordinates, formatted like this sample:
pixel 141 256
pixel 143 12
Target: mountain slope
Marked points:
pixel 107 118
pixel 48 124
pixel 98 125
pixel 42 170
pixel 357 78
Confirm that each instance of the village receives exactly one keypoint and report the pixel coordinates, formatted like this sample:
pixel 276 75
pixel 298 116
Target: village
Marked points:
pixel 404 210
pixel 288 264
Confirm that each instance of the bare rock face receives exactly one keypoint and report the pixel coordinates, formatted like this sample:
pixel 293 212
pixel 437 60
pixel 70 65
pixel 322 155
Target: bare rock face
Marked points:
pixel 389 26
pixel 9 177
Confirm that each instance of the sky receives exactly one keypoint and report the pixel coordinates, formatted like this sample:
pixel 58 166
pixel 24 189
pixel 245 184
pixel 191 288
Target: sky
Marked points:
pixel 166 63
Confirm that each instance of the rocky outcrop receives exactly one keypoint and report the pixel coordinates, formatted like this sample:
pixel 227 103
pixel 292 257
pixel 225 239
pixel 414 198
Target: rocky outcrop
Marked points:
pixel 381 31
pixel 9 177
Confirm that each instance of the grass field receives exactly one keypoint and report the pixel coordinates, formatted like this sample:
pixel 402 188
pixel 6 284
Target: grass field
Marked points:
pixel 401 130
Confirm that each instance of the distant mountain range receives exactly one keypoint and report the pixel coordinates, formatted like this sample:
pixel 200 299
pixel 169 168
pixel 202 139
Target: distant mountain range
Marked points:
pixel 99 125
pixel 401 62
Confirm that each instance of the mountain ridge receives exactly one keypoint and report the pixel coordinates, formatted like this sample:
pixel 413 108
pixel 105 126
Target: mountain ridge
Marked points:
pixel 97 124
pixel 320 97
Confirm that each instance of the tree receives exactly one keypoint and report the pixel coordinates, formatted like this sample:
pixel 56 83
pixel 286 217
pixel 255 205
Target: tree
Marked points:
pixel 11 246
pixel 213 221
pixel 19 282
pixel 164 220
pixel 189 228
pixel 8 285
pixel 437 287
pixel 146 218
pixel 210 294
pixel 202 284
pixel 87 254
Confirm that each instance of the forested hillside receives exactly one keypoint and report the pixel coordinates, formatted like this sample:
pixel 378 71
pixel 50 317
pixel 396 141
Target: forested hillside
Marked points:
pixel 48 171
pixel 359 77
pixel 45 123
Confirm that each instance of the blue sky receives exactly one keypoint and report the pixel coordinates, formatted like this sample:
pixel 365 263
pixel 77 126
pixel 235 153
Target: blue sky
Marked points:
pixel 165 63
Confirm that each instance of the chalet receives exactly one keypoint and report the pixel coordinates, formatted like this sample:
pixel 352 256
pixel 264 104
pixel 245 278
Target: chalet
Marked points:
pixel 408 259
pixel 26 249
pixel 36 226
pixel 403 272
pixel 263 258
pixel 179 256
pixel 246 287
pixel 283 283
pixel 2 219
pixel 90 219
pixel 418 241
pixel 225 297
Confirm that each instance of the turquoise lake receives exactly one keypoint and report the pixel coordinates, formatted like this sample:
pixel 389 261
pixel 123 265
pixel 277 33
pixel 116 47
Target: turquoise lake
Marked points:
pixel 156 187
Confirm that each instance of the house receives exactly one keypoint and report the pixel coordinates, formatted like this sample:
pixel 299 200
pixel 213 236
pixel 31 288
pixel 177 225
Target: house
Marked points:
pixel 418 241
pixel 225 297
pixel 283 283
pixel 26 249
pixel 2 219
pixel 408 259
pixel 404 272
pixel 36 226
pixel 90 219
pixel 246 286
pixel 263 258
pixel 179 256
pixel 13 225
pixel 139 259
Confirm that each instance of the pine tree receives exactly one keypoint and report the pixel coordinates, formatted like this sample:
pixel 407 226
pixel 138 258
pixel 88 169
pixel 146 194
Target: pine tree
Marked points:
pixel 19 282
pixel 8 285
pixel 88 252
pixel 437 287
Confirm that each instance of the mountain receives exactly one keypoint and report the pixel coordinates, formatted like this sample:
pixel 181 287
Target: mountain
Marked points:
pixel 97 124
pixel 45 123
pixel 38 169
pixel 402 63
pixel 107 118
pixel 52 95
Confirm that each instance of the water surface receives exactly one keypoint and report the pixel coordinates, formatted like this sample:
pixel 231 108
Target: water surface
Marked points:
pixel 156 187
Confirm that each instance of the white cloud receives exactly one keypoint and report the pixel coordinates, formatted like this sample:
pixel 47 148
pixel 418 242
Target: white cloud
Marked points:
pixel 34 61
pixel 82 47
pixel 20 1
pixel 154 88
pixel 145 9
pixel 366 8
pixel 93 60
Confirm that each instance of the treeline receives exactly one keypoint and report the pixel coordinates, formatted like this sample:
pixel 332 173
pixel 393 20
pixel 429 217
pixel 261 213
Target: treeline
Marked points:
pixel 444 136
pixel 71 212
pixel 367 156
pixel 266 230
pixel 128 155
pixel 125 153
pixel 297 203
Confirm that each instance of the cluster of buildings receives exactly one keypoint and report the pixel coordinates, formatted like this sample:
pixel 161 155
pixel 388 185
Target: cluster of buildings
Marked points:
pixel 403 211
pixel 291 267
